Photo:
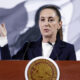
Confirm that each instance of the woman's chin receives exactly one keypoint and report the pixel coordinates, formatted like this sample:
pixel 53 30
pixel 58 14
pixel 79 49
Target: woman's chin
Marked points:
pixel 47 35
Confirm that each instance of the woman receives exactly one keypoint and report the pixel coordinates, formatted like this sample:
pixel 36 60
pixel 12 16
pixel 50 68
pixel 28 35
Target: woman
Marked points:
pixel 48 18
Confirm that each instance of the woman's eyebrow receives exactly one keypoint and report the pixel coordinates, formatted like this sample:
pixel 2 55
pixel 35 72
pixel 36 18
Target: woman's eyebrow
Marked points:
pixel 50 17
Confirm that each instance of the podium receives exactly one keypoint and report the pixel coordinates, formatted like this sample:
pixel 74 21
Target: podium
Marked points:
pixel 15 69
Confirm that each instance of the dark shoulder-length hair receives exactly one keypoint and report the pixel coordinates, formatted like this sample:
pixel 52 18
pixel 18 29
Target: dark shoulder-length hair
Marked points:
pixel 54 7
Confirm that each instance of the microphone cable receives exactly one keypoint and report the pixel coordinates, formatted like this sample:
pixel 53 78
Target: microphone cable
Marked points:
pixel 26 50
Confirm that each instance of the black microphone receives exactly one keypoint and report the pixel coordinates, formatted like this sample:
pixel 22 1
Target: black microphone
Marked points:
pixel 26 50
pixel 50 43
pixel 56 53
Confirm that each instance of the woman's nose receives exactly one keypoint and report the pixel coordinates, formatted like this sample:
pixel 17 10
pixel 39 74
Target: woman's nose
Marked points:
pixel 46 23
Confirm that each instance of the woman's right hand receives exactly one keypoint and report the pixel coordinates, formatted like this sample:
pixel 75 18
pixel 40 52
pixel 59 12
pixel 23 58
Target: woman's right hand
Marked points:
pixel 3 31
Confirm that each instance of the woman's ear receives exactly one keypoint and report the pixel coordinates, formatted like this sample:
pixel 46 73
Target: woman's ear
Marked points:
pixel 60 24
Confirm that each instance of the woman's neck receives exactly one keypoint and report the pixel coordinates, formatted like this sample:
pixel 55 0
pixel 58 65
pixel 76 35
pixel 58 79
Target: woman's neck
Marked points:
pixel 49 39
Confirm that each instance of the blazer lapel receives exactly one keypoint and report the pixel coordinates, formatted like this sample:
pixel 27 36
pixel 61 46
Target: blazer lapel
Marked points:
pixel 57 50
pixel 37 51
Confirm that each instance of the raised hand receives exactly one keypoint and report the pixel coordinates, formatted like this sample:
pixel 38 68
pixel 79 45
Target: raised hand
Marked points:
pixel 3 31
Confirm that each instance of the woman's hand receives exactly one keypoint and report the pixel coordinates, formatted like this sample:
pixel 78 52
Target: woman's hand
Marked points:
pixel 3 31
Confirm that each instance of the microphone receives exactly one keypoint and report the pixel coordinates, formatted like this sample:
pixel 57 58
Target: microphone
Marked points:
pixel 26 50
pixel 50 43
pixel 56 53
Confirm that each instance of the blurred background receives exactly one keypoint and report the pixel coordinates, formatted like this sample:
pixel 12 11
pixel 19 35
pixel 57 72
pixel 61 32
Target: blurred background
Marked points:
pixel 18 16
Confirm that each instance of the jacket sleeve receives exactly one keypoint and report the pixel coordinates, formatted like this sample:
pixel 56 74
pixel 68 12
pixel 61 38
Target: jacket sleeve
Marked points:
pixel 5 53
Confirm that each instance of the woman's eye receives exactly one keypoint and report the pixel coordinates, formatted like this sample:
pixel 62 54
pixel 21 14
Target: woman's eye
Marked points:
pixel 42 19
pixel 50 20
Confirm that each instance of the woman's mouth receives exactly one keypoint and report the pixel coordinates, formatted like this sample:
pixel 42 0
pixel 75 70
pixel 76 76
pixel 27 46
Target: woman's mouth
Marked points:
pixel 46 30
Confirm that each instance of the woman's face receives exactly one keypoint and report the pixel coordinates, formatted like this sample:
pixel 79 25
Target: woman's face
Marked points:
pixel 49 22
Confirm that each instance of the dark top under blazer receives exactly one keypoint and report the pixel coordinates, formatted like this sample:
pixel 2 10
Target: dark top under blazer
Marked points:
pixel 61 51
